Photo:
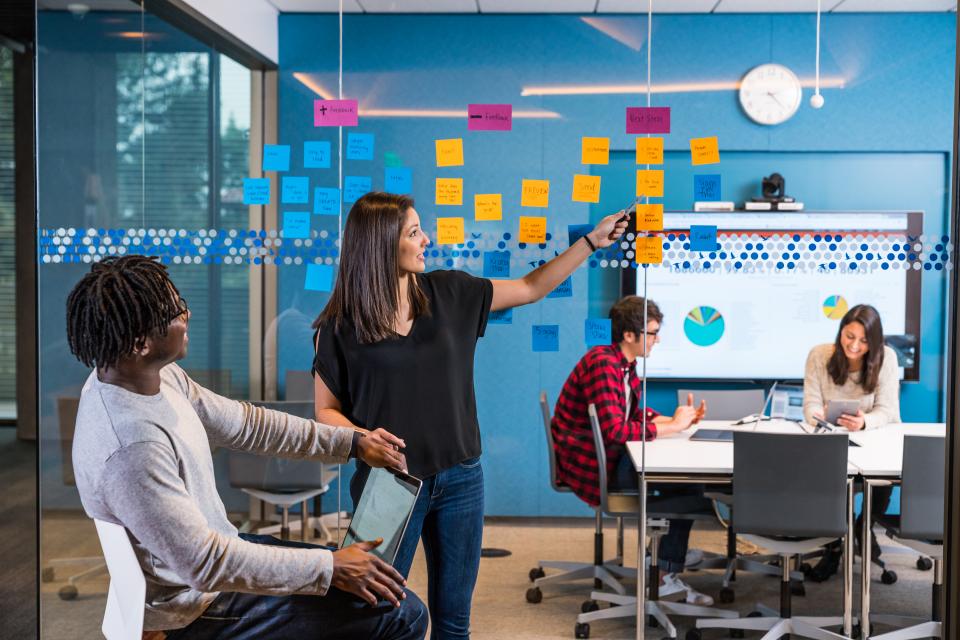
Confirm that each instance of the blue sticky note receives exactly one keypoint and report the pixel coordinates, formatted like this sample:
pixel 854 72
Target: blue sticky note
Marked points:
pixel 703 238
pixel 319 277
pixel 294 190
pixel 563 290
pixel 706 188
pixel 398 180
pixel 296 224
pixel 355 187
pixel 359 146
pixel 276 157
pixel 577 231
pixel 597 331
pixel 504 316
pixel 496 264
pixel 256 191
pixel 316 154
pixel 546 337
pixel 326 201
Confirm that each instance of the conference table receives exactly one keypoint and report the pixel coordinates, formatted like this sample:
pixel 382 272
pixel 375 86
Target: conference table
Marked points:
pixel 677 459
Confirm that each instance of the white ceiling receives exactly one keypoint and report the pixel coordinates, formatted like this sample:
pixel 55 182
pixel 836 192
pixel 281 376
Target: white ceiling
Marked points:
pixel 610 6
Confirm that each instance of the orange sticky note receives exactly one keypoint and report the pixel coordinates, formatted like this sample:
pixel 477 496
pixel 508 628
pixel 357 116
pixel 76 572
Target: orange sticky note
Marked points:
pixel 595 150
pixel 450 152
pixel 533 229
pixel 649 150
pixel 586 188
pixel 649 250
pixel 650 183
pixel 488 206
pixel 650 217
pixel 704 151
pixel 449 230
pixel 534 193
pixel 450 191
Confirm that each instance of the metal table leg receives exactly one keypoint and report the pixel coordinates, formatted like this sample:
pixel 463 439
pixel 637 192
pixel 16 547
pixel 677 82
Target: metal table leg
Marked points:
pixel 641 557
pixel 848 565
pixel 865 555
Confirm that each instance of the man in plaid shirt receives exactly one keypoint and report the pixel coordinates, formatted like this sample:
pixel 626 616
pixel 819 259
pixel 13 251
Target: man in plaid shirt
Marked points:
pixel 602 378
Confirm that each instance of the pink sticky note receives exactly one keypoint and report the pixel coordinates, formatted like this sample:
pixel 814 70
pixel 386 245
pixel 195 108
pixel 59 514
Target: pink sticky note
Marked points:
pixel 648 119
pixel 335 113
pixel 489 117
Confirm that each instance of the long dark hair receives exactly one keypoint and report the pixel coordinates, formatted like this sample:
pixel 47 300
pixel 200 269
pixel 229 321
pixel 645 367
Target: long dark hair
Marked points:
pixel 838 367
pixel 367 292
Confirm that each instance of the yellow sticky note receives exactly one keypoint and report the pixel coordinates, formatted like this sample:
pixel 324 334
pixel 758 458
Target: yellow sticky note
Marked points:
pixel 649 250
pixel 704 151
pixel 595 150
pixel 649 150
pixel 650 183
pixel 586 188
pixel 488 206
pixel 533 229
pixel 449 230
pixel 649 217
pixel 534 193
pixel 450 191
pixel 450 152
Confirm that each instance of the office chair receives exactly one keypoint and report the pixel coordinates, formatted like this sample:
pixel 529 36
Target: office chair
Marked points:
pixel 920 527
pixel 299 385
pixel 123 617
pixel 790 495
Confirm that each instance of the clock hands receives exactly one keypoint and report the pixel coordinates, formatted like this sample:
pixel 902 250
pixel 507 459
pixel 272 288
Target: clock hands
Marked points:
pixel 775 99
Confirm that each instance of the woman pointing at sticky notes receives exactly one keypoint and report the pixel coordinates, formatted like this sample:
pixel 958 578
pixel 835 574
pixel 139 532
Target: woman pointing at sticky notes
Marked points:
pixel 395 348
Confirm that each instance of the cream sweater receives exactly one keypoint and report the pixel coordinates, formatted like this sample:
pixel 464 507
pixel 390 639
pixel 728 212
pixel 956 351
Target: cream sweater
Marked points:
pixel 880 407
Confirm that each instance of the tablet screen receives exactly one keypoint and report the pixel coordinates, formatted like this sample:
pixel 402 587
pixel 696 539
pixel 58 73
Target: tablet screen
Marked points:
pixel 384 510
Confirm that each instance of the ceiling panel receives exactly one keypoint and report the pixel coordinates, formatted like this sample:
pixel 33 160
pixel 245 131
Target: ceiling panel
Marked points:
pixel 775 6
pixel 659 6
pixel 90 5
pixel 419 6
pixel 537 6
pixel 894 5
pixel 316 6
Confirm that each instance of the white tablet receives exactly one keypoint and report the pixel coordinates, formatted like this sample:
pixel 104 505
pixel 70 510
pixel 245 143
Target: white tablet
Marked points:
pixel 837 408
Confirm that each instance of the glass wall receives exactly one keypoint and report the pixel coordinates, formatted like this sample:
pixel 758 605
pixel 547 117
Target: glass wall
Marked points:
pixel 8 342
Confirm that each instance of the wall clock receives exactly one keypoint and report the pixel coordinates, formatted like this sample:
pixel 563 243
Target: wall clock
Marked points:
pixel 770 94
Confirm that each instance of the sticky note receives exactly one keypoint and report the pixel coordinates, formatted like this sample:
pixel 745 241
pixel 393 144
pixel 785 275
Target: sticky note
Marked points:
pixel 546 337
pixel 586 188
pixel 489 117
pixel 391 159
pixel 503 316
pixel 533 229
pixel 335 113
pixel 563 290
pixel 650 217
pixel 398 180
pixel 355 187
pixel 294 190
pixel 256 191
pixel 359 146
pixel 594 150
pixel 649 250
pixel 703 237
pixel 449 191
pixel 488 206
pixel 534 193
pixel 706 188
pixel 577 231
pixel 597 331
pixel 648 119
pixel 704 151
pixel 326 201
pixel 319 277
pixel 449 230
pixel 650 183
pixel 496 264
pixel 450 152
pixel 296 224
pixel 649 150
pixel 276 157
pixel 316 154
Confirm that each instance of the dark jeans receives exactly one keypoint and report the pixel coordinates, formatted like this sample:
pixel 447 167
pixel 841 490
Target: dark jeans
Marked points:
pixel 448 517
pixel 672 551
pixel 239 616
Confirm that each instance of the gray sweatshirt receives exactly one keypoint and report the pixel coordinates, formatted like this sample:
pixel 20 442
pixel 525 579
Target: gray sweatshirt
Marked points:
pixel 144 462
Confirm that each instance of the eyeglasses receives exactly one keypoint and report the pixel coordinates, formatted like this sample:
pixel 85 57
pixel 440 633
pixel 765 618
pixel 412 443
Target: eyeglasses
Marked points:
pixel 182 310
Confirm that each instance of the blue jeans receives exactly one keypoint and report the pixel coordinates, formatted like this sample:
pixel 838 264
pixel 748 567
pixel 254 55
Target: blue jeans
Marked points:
pixel 448 517
pixel 242 616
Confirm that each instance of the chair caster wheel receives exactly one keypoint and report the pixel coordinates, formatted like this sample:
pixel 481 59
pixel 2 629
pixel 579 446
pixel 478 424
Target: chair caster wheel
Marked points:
pixel 48 574
pixel 68 592
pixel 694 634
pixel 754 614
pixel 534 595
pixel 924 563
pixel 535 573
pixel 581 630
pixel 736 633
pixel 888 576
pixel 727 595
pixel 588 606
pixel 797 589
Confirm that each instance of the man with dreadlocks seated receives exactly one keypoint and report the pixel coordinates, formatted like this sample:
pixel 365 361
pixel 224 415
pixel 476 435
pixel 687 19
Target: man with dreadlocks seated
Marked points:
pixel 142 459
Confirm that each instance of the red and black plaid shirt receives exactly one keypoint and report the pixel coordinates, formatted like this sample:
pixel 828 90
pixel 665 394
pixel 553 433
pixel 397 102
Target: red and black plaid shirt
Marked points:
pixel 597 379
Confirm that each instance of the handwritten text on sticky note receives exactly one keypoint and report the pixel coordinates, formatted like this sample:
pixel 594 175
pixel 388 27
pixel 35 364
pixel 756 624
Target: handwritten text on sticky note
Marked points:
pixel 360 146
pixel 546 337
pixel 586 188
pixel 703 237
pixel 355 187
pixel 489 117
pixel 706 188
pixel 704 151
pixel 449 230
pixel 597 331
pixel 296 224
pixel 316 154
pixel 534 193
pixel 649 150
pixel 276 157
pixel 650 183
pixel 450 152
pixel 503 316
pixel 326 201
pixel 650 217
pixel 449 191
pixel 294 190
pixel 335 113
pixel 488 206
pixel 496 264
pixel 533 229
pixel 648 119
pixel 595 150
pixel 563 290
pixel 649 250
pixel 398 180
pixel 256 191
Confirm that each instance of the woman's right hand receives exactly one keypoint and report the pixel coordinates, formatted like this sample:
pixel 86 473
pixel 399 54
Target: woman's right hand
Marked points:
pixel 380 448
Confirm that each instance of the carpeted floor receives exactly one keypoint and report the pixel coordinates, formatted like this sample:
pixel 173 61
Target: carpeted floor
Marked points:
pixel 18 549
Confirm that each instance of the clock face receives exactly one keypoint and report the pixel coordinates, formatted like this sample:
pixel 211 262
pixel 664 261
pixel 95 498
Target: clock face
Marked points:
pixel 770 94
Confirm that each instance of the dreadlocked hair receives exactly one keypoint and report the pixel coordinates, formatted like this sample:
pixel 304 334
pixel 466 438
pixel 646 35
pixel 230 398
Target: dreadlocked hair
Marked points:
pixel 115 307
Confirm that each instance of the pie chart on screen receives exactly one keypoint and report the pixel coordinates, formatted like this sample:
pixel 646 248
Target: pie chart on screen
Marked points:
pixel 835 307
pixel 703 326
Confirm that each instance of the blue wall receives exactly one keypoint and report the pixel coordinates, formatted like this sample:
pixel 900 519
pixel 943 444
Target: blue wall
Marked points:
pixel 881 142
